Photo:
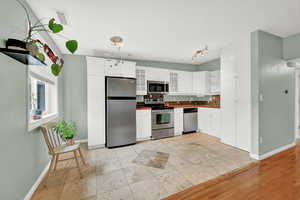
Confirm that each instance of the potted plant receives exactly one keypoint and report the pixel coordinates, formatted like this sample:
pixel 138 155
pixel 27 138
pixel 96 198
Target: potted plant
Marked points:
pixel 67 131
pixel 36 47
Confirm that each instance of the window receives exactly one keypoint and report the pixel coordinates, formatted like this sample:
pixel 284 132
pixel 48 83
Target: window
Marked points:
pixel 42 96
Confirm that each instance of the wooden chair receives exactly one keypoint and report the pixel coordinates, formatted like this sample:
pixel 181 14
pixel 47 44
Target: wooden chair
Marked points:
pixel 56 147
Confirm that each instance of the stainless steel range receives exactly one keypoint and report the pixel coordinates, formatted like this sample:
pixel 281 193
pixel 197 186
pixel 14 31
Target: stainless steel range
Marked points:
pixel 162 122
pixel 162 116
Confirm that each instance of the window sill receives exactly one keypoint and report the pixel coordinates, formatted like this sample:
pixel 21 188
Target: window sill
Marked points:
pixel 37 123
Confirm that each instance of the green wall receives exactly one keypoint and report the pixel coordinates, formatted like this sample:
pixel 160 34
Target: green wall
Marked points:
pixel 166 65
pixel 75 92
pixel 272 117
pixel 210 66
pixel 23 154
pixel 291 47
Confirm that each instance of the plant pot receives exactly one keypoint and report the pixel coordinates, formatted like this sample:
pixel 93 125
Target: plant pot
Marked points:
pixel 33 50
pixel 70 142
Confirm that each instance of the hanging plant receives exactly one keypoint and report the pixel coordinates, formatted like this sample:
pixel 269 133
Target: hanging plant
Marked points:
pixel 38 48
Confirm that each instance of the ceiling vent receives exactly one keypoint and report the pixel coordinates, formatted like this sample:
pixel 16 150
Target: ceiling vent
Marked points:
pixel 62 18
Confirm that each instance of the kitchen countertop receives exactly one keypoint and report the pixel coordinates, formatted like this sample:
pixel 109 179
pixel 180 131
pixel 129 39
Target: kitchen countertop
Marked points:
pixel 193 106
pixel 180 106
pixel 143 108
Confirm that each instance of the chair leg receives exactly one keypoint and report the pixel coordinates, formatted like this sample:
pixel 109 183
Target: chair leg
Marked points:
pixel 81 156
pixel 49 170
pixel 56 161
pixel 77 163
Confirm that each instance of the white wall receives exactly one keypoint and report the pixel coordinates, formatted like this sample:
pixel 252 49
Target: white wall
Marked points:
pixel 236 94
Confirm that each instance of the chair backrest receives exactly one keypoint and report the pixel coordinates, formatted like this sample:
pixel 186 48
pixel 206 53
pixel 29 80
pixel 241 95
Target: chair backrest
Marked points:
pixel 51 136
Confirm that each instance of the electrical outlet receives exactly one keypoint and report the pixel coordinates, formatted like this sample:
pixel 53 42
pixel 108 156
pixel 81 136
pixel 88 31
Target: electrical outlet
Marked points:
pixel 260 140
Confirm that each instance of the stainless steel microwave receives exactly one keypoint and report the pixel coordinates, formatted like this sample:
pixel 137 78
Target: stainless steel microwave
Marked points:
pixel 157 87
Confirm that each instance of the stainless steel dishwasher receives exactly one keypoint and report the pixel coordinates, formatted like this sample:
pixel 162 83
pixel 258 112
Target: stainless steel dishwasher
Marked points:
pixel 190 120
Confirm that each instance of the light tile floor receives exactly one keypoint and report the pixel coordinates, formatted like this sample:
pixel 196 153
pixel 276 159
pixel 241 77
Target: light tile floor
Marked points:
pixel 149 170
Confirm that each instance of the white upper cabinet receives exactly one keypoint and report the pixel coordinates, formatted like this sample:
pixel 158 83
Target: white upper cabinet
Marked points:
pixel 215 82
pixel 141 82
pixel 157 74
pixel 201 83
pixel 206 83
pixel 120 69
pixel 185 82
pixel 180 82
pixel 173 83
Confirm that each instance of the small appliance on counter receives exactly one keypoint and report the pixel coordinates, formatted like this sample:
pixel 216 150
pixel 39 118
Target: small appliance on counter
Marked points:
pixel 120 111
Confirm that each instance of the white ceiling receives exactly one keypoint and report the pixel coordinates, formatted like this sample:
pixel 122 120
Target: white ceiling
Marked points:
pixel 167 30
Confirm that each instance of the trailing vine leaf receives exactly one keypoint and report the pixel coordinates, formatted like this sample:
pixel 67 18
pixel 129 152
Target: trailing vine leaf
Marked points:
pixel 54 27
pixel 72 45
pixel 41 56
pixel 33 43
pixel 55 68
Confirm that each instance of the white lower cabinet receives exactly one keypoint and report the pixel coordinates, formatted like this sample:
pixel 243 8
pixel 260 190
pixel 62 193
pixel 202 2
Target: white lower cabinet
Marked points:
pixel 143 125
pixel 178 121
pixel 209 121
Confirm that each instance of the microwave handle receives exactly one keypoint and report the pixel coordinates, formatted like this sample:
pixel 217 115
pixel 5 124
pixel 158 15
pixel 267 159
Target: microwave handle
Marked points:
pixel 166 90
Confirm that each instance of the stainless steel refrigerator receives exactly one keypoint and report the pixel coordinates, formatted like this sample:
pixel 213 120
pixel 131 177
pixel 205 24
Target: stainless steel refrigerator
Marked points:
pixel 120 111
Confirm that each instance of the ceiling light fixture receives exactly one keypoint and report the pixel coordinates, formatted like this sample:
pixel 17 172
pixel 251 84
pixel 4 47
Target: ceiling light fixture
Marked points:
pixel 200 53
pixel 117 42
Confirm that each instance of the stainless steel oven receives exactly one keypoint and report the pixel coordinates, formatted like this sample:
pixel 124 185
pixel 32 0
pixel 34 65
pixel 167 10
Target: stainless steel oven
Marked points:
pixel 157 87
pixel 162 123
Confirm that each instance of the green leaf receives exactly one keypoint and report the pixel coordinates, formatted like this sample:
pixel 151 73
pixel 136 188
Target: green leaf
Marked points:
pixel 55 68
pixel 41 56
pixel 66 130
pixel 72 45
pixel 33 43
pixel 55 28
pixel 51 22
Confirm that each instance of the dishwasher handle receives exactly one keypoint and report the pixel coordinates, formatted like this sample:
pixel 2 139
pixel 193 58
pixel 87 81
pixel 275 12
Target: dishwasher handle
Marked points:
pixel 190 110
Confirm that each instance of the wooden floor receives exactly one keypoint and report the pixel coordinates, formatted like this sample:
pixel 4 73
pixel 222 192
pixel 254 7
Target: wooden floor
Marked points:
pixel 276 178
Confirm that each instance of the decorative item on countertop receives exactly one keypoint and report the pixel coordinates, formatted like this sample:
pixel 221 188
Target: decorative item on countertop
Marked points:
pixel 34 45
pixel 67 131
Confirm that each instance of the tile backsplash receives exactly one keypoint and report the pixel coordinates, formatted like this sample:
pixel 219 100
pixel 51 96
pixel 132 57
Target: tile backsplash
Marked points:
pixel 140 98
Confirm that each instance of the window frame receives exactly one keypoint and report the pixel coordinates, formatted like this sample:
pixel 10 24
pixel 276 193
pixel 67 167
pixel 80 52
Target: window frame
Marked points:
pixel 41 73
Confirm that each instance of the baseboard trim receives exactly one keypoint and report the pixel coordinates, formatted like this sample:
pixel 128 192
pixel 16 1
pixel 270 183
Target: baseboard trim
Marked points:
pixel 40 178
pixel 271 153
pixel 143 139
pixel 83 141
pixel 96 146
pixel 37 182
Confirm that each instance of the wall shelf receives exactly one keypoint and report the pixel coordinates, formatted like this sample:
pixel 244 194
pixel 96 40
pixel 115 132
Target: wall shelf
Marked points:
pixel 22 56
